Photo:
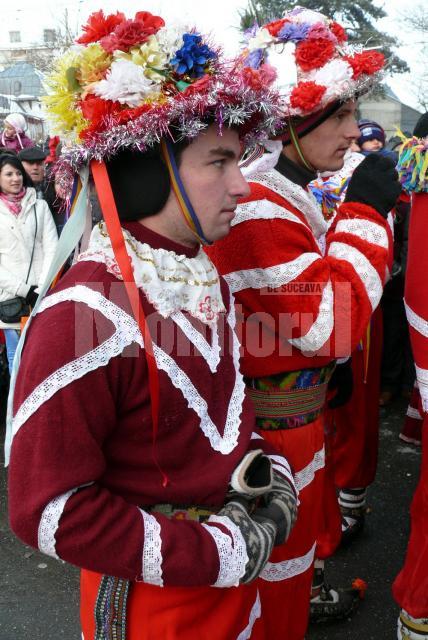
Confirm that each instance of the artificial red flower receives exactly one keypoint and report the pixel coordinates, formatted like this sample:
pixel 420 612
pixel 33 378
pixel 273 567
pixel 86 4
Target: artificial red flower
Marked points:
pixel 149 20
pixel 367 62
pixel 252 78
pixel 99 26
pixel 312 54
pixel 96 111
pixel 307 96
pixel 130 114
pixel 200 86
pixel 338 31
pixel 275 27
pixel 132 32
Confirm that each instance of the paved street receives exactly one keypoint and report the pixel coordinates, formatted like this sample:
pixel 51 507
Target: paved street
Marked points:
pixel 38 595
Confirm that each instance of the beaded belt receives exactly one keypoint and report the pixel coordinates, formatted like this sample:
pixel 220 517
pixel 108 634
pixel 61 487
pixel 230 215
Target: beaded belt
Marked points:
pixel 289 400
pixel 198 513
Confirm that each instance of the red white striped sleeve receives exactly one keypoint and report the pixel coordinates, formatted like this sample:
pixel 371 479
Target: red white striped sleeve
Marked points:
pixel 274 266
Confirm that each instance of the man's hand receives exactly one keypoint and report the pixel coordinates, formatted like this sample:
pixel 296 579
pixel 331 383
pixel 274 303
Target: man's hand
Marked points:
pixel 280 505
pixel 375 183
pixel 258 533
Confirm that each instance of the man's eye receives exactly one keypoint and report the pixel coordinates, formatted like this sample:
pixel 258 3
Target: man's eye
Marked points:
pixel 219 163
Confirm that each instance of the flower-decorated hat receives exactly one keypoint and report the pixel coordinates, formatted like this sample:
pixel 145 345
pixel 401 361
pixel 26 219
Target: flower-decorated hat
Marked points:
pixel 316 67
pixel 128 83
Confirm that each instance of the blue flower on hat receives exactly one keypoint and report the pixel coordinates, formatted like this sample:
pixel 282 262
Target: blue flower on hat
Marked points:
pixel 254 58
pixel 294 32
pixel 193 56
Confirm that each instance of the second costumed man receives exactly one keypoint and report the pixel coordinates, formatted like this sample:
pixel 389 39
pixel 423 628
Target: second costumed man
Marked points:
pixel 306 295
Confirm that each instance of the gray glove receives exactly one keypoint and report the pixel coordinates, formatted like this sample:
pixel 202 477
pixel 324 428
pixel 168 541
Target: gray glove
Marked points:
pixel 280 506
pixel 259 534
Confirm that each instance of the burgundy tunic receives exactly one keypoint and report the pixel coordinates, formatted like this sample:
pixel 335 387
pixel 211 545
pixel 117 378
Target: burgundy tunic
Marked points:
pixel 83 467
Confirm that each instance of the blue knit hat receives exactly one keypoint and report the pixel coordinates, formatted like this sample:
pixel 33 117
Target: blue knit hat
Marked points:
pixel 370 130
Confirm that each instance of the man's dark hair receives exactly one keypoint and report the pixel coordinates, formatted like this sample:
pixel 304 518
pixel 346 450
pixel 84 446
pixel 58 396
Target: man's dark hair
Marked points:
pixel 140 181
pixel 14 161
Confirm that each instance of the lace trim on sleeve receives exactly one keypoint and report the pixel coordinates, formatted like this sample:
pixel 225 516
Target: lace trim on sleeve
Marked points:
pixel 322 327
pixel 49 523
pixel 232 551
pixel 301 199
pixel 364 229
pixel 365 270
pixel 262 210
pixel 275 276
pixel 152 555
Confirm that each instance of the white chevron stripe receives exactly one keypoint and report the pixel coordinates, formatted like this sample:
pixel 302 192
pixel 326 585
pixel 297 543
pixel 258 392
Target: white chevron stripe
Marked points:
pixel 271 276
pixel 286 569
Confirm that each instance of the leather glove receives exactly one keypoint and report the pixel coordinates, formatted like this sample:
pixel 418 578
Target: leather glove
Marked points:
pixel 31 297
pixel 259 534
pixel 341 381
pixel 375 183
pixel 280 506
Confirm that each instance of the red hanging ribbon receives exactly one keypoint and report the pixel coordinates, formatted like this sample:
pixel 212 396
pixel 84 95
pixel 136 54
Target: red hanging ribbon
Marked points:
pixel 111 218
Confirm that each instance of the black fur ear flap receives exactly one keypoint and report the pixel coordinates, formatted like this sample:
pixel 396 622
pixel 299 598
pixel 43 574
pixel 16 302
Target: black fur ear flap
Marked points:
pixel 140 183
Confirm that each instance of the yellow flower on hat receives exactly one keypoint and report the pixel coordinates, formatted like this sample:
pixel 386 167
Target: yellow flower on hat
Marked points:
pixel 149 55
pixel 62 97
pixel 93 63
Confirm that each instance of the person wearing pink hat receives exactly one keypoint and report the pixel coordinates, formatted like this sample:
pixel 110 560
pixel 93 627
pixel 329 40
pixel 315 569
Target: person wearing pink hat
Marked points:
pixel 13 136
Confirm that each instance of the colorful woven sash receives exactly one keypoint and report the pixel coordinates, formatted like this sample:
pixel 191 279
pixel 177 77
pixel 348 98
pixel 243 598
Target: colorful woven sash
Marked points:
pixel 289 400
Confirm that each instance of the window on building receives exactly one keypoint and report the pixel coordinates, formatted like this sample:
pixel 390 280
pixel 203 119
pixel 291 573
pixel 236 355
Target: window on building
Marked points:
pixel 17 87
pixel 15 36
pixel 49 36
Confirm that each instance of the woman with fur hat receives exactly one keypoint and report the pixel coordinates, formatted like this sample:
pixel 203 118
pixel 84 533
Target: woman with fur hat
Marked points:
pixel 13 136
pixel 147 473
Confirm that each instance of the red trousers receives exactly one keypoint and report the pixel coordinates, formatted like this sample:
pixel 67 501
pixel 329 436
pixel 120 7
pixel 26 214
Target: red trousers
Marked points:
pixel 410 588
pixel 285 583
pixel 412 427
pixel 356 425
pixel 352 438
pixel 178 613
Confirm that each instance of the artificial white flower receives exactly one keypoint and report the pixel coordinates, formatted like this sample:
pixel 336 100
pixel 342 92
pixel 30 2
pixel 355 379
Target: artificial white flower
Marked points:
pixel 336 76
pixel 261 40
pixel 309 17
pixel 171 39
pixel 126 83
pixel 282 57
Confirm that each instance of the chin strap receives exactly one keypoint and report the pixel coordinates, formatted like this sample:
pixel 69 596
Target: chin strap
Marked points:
pixel 111 218
pixel 180 193
pixel 296 144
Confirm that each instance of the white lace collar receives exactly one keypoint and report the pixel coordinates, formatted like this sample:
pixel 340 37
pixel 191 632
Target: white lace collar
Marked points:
pixel 303 200
pixel 171 282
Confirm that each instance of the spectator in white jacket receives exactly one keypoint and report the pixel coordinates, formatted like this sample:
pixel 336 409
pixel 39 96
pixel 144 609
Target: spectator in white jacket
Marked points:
pixel 25 222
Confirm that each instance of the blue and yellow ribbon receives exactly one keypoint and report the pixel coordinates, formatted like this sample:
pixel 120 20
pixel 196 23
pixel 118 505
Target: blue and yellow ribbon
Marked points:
pixel 180 193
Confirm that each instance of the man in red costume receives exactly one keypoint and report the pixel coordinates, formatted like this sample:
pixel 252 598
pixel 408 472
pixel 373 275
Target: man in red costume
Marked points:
pixel 170 513
pixel 306 294
pixel 411 585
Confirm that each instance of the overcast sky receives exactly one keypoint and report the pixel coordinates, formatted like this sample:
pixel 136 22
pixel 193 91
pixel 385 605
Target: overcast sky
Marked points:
pixel 221 17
